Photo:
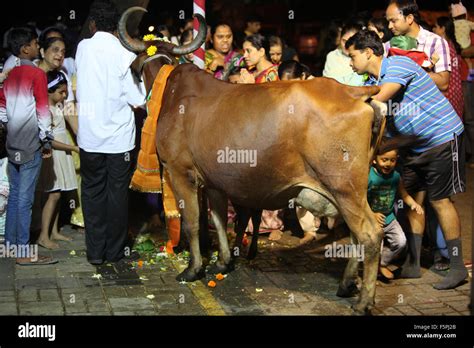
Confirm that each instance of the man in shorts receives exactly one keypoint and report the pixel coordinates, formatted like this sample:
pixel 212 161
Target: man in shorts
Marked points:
pixel 435 168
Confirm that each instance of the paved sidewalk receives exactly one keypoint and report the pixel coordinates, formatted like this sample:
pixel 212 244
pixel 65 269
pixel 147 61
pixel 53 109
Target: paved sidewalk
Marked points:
pixel 283 280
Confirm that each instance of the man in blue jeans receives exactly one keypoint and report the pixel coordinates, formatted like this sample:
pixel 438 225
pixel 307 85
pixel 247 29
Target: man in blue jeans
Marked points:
pixel 25 112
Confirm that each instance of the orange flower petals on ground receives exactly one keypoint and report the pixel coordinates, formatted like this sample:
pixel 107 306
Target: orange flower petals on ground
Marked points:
pixel 211 284
pixel 220 276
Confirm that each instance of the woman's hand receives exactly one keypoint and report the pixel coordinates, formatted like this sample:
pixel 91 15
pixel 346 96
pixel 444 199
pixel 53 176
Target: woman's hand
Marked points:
pixel 76 149
pixel 246 76
pixel 216 62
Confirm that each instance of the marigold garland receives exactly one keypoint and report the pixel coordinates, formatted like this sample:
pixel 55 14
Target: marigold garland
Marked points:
pixel 151 51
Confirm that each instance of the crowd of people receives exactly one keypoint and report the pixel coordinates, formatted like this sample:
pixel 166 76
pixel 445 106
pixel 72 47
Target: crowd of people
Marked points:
pixel 56 148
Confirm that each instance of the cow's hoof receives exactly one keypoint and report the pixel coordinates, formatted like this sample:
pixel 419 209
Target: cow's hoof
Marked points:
pixel 362 309
pixel 222 268
pixel 349 291
pixel 190 275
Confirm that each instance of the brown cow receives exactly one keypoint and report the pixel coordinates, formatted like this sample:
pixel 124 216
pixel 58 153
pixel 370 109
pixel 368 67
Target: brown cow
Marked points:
pixel 312 140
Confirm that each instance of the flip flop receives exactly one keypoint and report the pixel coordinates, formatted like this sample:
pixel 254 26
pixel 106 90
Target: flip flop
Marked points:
pixel 441 266
pixel 42 260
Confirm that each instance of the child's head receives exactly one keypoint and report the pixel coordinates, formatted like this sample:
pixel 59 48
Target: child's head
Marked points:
pixel 187 38
pixel 387 156
pixel 276 49
pixel 23 43
pixel 57 86
pixel 234 74
pixel 293 70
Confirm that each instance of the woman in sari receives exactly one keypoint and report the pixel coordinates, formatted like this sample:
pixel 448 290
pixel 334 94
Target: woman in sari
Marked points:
pixel 256 48
pixel 221 58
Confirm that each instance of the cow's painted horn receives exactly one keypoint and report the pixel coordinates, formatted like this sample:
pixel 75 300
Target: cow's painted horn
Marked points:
pixel 133 45
pixel 197 41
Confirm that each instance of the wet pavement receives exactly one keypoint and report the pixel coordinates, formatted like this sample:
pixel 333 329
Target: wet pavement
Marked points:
pixel 284 279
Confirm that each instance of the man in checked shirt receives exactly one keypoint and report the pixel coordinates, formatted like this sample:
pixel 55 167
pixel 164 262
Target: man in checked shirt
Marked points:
pixel 403 19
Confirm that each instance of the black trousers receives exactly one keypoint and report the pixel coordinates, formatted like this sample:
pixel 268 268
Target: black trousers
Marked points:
pixel 105 182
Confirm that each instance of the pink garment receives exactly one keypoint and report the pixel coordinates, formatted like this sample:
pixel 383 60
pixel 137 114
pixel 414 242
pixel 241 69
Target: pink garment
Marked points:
pixel 454 93
pixel 270 221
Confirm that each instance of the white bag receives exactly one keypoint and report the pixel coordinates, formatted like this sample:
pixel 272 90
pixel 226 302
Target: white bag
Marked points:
pixel 4 191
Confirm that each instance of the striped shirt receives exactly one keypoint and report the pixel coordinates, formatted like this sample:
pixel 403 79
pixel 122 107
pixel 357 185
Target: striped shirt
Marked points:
pixel 419 108
pixel 430 43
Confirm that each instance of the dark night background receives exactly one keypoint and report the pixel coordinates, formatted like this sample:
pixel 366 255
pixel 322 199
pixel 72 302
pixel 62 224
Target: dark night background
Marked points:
pixel 44 12
pixel 301 32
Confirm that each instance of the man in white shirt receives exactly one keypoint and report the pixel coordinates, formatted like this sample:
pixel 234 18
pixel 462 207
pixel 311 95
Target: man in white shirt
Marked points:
pixel 106 93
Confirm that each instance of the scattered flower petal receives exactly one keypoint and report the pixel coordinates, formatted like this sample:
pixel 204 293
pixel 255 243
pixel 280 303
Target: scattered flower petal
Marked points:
pixel 73 253
pixel 220 276
pixel 258 290
pixel 97 276
pixel 211 284
pixel 151 297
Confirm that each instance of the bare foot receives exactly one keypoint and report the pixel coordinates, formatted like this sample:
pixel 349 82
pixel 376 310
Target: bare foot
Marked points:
pixel 48 244
pixel 275 235
pixel 59 236
pixel 308 237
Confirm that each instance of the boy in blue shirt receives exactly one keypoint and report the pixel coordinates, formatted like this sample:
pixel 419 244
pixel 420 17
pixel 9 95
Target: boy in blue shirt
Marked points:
pixel 384 184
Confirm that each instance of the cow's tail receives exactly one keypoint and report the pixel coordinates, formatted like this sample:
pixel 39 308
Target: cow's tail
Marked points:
pixel 365 94
pixel 378 125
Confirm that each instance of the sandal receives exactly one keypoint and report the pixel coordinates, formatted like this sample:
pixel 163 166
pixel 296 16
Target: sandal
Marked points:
pixel 441 265
pixel 40 260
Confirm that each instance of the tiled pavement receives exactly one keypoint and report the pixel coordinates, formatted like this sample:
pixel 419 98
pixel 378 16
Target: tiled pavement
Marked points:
pixel 282 280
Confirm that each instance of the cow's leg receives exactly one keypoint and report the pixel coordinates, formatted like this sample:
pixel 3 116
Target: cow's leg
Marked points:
pixel 204 238
pixel 218 203
pixel 348 286
pixel 318 205
pixel 243 217
pixel 186 193
pixel 256 220
pixel 361 220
